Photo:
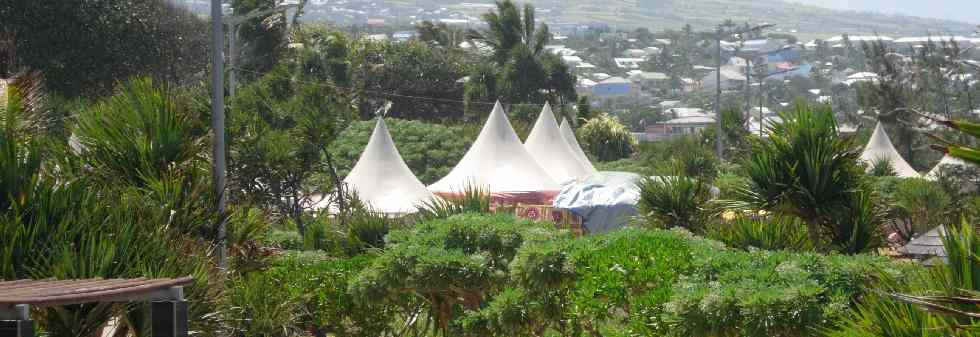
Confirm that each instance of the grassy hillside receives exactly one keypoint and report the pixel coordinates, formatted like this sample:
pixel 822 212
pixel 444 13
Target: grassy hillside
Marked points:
pixel 810 21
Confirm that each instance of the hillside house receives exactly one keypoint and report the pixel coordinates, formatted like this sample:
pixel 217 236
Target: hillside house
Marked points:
pixel 678 127
pixel 731 79
pixel 613 87
pixel 628 62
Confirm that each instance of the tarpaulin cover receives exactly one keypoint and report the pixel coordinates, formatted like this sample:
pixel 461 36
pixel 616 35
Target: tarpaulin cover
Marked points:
pixel 604 200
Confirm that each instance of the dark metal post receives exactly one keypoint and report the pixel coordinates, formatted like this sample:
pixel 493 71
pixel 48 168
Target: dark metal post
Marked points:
pixel 232 58
pixel 718 129
pixel 168 318
pixel 748 86
pixel 218 120
pixel 16 322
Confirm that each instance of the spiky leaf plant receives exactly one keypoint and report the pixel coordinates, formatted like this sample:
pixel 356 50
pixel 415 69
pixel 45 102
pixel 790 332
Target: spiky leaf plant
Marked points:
pixel 768 233
pixel 673 201
pixel 882 167
pixel 143 131
pixel 472 199
pixel 806 169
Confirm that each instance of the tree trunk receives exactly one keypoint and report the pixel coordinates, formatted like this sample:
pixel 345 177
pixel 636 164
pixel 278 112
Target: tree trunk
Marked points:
pixel 338 188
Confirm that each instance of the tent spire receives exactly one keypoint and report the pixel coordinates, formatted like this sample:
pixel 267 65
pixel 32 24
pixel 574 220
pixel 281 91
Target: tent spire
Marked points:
pixel 547 145
pixel 497 161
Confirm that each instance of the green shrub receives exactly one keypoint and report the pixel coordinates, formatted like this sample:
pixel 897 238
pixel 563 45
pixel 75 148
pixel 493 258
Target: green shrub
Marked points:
pixel 762 293
pixel 284 239
pixel 430 150
pixel 773 233
pixel 626 276
pixel 144 131
pixel 319 285
pixel 668 202
pixel 729 184
pixel 453 263
pixel 625 165
pixel 261 306
pixel 605 139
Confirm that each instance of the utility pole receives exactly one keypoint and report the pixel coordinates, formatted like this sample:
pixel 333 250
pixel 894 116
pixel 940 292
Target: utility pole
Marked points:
pixel 719 148
pixel 748 85
pixel 218 122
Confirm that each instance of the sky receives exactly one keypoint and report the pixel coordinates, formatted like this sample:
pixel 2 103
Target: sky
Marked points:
pixel 959 10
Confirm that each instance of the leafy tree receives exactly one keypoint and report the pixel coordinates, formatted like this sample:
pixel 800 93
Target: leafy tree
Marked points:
pixel 892 96
pixel 439 34
pixel 401 72
pixel 84 48
pixel 262 39
pixel 281 126
pixel 606 139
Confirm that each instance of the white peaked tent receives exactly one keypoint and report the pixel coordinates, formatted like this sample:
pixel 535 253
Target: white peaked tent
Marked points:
pixel 547 145
pixel 497 161
pixel 569 136
pixel 881 147
pixel 381 178
pixel 947 160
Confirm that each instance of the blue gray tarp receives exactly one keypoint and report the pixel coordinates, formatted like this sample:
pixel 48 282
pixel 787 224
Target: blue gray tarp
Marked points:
pixel 604 200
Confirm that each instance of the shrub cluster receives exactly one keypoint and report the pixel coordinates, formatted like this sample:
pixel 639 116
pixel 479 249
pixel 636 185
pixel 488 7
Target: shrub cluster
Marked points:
pixel 493 275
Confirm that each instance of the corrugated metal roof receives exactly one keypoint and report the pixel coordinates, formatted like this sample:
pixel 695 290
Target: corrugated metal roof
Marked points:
pixel 930 244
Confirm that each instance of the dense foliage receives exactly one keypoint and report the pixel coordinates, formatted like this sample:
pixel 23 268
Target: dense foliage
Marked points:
pixel 93 44
pixel 605 139
pixel 129 196
pixel 281 126
pixel 939 301
pixel 517 69
pixel 478 275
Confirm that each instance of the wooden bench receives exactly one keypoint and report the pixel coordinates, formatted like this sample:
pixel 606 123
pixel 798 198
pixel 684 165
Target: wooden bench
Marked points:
pixel 166 297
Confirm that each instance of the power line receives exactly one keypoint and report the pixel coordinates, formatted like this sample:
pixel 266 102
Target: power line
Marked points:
pixel 391 94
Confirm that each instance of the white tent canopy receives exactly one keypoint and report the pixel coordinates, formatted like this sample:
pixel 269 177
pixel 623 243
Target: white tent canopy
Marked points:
pixel 497 161
pixel 880 147
pixel 947 160
pixel 547 145
pixel 569 136
pixel 381 178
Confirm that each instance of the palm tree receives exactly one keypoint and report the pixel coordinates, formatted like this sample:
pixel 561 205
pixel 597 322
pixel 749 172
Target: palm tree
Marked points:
pixel 508 29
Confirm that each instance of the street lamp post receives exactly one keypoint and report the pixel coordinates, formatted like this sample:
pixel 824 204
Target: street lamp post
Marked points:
pixel 218 122
pixel 719 148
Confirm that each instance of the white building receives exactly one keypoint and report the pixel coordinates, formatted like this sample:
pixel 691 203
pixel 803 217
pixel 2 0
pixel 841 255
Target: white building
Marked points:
pixel 731 78
pixel 628 62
